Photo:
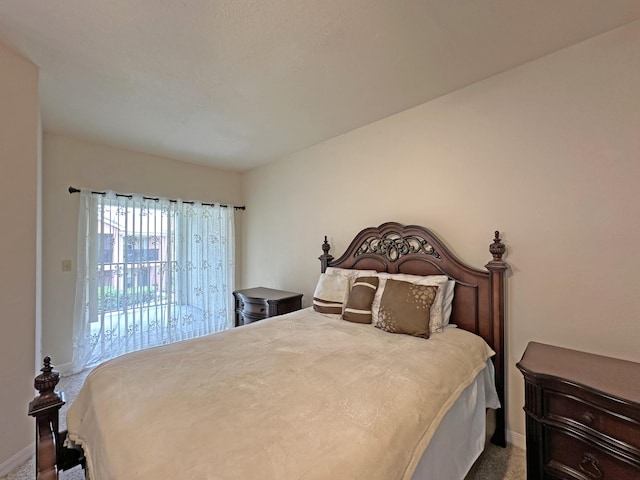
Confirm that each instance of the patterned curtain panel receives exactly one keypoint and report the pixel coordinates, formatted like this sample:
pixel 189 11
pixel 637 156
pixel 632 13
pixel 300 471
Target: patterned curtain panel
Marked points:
pixel 150 272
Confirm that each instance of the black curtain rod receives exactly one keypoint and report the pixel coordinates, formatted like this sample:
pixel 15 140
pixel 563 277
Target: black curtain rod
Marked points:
pixel 77 190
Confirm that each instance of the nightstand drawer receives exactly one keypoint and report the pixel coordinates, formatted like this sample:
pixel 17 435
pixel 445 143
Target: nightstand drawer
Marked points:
pixel 583 415
pixel 569 457
pixel 254 308
pixel 245 318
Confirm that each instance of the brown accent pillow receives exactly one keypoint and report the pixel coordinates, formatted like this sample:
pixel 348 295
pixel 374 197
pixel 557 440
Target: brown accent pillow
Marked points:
pixel 405 308
pixel 358 308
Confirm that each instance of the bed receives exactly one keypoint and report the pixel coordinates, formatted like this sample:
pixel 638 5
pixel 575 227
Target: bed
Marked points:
pixel 307 395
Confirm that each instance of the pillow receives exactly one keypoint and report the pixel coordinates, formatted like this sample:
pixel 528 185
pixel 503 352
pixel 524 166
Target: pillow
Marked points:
pixel 405 307
pixel 358 308
pixel 447 302
pixel 350 274
pixel 330 294
pixel 436 320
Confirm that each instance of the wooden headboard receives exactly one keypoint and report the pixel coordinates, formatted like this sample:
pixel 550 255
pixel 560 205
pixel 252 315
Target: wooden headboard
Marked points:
pixel 479 301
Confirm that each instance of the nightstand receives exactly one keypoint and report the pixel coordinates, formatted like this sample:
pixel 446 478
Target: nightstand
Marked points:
pixel 254 304
pixel 582 415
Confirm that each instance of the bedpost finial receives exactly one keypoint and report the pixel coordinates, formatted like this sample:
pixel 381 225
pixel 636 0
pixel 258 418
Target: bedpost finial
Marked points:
pixel 325 258
pixel 48 399
pixel 497 248
pixel 47 365
pixel 46 382
pixel 325 246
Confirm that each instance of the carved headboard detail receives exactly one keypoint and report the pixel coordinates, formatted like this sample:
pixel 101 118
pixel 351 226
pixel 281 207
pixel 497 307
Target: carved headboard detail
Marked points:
pixel 394 246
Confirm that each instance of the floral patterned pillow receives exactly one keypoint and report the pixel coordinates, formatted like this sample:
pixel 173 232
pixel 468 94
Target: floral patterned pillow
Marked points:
pixel 405 308
pixel 437 324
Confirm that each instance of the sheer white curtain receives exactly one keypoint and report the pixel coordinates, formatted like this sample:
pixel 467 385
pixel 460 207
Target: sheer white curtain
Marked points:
pixel 150 272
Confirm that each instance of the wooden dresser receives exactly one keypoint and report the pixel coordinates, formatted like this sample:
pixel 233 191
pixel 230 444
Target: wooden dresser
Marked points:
pixel 582 415
pixel 254 304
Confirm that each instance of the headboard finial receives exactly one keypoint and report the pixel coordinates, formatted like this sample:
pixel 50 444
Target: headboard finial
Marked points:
pixel 326 257
pixel 497 248
pixel 325 246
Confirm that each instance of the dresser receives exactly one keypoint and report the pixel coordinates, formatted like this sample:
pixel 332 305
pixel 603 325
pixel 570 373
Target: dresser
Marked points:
pixel 254 304
pixel 582 415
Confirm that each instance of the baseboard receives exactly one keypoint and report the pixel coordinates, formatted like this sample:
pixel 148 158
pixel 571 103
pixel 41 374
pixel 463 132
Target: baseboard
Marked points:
pixel 517 439
pixel 18 459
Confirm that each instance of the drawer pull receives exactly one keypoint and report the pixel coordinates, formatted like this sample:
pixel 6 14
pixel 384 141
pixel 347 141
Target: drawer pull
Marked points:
pixel 262 310
pixel 587 417
pixel 589 465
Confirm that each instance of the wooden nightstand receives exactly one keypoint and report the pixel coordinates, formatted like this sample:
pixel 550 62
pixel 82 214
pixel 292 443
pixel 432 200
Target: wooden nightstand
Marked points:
pixel 583 415
pixel 254 304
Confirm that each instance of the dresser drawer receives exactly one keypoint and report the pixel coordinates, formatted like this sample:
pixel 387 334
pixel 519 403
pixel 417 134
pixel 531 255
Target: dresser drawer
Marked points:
pixel 578 413
pixel 569 457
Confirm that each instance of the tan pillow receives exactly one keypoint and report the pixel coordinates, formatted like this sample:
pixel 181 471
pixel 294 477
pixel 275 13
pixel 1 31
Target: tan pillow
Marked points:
pixel 330 294
pixel 405 307
pixel 350 274
pixel 358 308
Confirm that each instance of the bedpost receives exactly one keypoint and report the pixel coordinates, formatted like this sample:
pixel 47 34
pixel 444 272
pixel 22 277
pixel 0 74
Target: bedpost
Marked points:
pixel 325 258
pixel 497 268
pixel 45 408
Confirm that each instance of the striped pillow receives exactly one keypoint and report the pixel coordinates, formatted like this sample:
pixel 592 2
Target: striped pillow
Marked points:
pixel 330 294
pixel 358 308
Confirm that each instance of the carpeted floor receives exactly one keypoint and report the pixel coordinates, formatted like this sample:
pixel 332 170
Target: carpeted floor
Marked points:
pixel 495 463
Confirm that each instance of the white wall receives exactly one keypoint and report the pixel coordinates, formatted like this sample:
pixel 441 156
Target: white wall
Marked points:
pixel 68 162
pixel 19 131
pixel 548 153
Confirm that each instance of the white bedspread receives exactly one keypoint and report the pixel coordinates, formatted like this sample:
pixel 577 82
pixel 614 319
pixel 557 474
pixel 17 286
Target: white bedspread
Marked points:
pixel 301 396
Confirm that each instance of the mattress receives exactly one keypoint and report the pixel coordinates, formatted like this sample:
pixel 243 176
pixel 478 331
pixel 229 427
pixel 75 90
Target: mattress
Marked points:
pixel 300 396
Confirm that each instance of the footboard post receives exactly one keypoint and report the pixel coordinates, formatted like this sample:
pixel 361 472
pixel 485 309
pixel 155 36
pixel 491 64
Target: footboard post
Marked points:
pixel 45 408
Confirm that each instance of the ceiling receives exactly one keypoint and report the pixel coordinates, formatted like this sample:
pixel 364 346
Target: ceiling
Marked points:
pixel 238 83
